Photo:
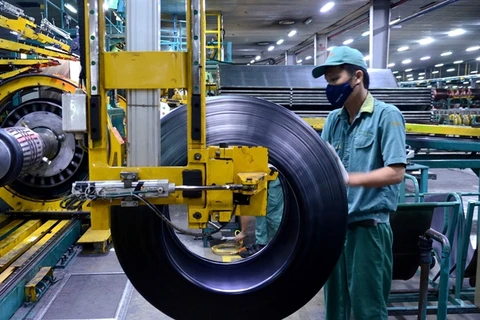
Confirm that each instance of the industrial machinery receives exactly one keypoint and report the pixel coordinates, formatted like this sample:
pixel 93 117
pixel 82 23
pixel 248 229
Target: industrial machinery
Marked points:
pixel 214 156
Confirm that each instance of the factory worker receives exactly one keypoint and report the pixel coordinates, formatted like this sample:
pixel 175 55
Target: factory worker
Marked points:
pixel 368 140
pixel 265 226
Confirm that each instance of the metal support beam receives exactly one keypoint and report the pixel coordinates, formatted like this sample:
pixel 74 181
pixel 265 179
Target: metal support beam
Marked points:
pixel 379 33
pixel 290 58
pixel 320 49
pixel 143 112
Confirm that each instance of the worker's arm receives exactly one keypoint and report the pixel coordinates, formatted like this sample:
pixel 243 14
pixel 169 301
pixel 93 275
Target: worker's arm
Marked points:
pixel 392 143
pixel 244 222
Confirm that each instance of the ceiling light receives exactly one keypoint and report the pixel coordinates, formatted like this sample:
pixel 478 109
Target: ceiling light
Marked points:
pixel 421 74
pixel 475 48
pixel 425 58
pixel 70 8
pixel 410 79
pixel 474 71
pixel 279 42
pixel 478 81
pixel 258 58
pixel 299 61
pixel 286 22
pixel 421 78
pixel 466 82
pixel 404 48
pixel 253 61
pixel 307 21
pixel 391 65
pixel 366 58
pixel 263 43
pixel 478 59
pixel 327 7
pixel 406 61
pixel 398 77
pixel 394 21
pixel 450 70
pixel 347 41
pixel 425 41
pixel 446 53
pixel 409 75
pixel 308 57
pixel 408 70
pixel 271 48
pixel 292 33
pixel 439 65
pixel 366 33
pixel 330 48
pixel 456 32
pixel 435 72
pixel 457 62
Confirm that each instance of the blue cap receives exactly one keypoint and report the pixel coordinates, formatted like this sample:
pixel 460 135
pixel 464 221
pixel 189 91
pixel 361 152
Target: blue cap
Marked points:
pixel 338 56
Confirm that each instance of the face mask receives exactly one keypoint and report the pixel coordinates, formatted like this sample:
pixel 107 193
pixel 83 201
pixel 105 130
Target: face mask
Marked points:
pixel 337 95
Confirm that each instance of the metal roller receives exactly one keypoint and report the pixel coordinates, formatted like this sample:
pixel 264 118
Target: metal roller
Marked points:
pixel 290 270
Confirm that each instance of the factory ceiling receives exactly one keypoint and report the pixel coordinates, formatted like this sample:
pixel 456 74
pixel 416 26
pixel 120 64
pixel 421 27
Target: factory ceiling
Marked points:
pixel 252 26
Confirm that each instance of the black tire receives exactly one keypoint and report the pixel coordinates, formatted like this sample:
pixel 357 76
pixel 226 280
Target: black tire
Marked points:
pixel 289 271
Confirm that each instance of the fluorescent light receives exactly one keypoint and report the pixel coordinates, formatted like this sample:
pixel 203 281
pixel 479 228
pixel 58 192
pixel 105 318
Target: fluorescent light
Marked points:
pixel 435 72
pixel 391 65
pixel 409 76
pixel 439 65
pixel 347 41
pixel 410 79
pixel 421 74
pixel 421 78
pixel 70 7
pixel 475 48
pixel 478 81
pixel 271 48
pixel 425 41
pixel 456 32
pixel 450 70
pixel 446 53
pixel 299 61
pixel 366 58
pixel 398 77
pixel 258 58
pixel 404 48
pixel 366 33
pixel 478 59
pixel 425 58
pixel 292 33
pixel 253 61
pixel 408 70
pixel 457 62
pixel 466 82
pixel 327 7
pixel 406 61
pixel 395 72
pixel 474 71
pixel 279 42
pixel 394 21
pixel 308 57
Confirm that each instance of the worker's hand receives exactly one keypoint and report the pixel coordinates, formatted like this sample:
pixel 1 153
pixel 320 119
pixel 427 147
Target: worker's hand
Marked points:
pixel 340 164
pixel 240 236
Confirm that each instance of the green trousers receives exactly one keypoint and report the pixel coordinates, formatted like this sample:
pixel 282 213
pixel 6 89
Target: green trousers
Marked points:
pixel 362 278
pixel 267 226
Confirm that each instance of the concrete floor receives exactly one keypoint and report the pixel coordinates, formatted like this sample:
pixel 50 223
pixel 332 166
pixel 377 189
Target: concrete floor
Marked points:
pixel 95 287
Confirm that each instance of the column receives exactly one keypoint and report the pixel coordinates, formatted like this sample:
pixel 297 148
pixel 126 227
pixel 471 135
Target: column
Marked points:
pixel 290 58
pixel 320 49
pixel 143 106
pixel 379 33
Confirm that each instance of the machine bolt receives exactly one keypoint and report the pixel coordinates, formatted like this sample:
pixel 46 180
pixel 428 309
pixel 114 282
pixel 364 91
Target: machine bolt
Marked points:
pixel 197 156
pixel 61 137
pixel 217 153
pixel 197 215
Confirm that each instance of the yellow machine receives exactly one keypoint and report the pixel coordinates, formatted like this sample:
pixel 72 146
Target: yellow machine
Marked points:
pixel 223 177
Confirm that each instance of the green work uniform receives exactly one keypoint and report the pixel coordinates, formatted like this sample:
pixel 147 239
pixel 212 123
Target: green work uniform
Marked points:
pixel 267 226
pixel 361 281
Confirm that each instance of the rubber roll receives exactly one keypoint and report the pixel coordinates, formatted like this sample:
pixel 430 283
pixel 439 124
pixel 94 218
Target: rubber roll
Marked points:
pixel 290 270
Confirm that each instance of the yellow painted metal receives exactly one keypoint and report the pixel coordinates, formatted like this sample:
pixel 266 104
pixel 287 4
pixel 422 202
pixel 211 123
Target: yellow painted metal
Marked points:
pixel 28 49
pixel 169 70
pixel 31 287
pixel 100 239
pixel 26 244
pixel 23 62
pixel 9 227
pixel 315 123
pixel 217 31
pixel 16 72
pixel 34 249
pixel 3 217
pixel 18 236
pixel 27 29
pixel 5 274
